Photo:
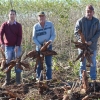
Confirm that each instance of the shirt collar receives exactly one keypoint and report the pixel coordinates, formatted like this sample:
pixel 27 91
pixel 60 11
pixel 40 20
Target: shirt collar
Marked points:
pixel 13 23
pixel 44 24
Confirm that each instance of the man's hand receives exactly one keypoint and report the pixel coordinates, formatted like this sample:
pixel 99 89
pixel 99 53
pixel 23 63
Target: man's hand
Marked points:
pixel 3 47
pixel 50 43
pixel 88 43
pixel 16 48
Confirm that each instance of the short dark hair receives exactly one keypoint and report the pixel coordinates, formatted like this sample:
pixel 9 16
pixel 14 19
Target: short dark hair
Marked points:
pixel 89 7
pixel 12 10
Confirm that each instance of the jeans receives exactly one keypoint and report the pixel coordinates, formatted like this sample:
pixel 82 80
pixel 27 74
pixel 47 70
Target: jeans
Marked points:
pixel 48 61
pixel 92 67
pixel 10 55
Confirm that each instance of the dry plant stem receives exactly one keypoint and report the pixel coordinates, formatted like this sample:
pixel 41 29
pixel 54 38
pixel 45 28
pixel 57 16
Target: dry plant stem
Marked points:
pixel 84 80
pixel 3 60
pixel 75 85
pixel 48 52
pixel 12 99
pixel 42 86
pixel 25 64
pixel 39 60
pixel 31 54
pixel 86 98
pixel 12 95
pixel 3 65
pixel 72 87
pixel 65 97
pixel 3 54
pixel 79 56
pixel 82 36
pixel 17 62
pixel 86 52
pixel 8 69
pixel 44 47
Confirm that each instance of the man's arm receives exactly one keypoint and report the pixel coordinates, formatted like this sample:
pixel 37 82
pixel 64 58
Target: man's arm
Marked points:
pixel 78 26
pixel 35 39
pixel 2 31
pixel 19 36
pixel 97 34
pixel 53 34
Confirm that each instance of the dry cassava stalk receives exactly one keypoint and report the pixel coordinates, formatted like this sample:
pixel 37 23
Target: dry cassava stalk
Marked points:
pixel 81 36
pixel 32 54
pixel 18 65
pixel 65 97
pixel 42 87
pixel 86 98
pixel 3 64
pixel 3 60
pixel 44 51
pixel 14 63
pixel 85 84
pixel 86 52
pixel 39 60
pixel 3 54
pixel 48 52
pixel 10 93
pixel 25 64
pixel 8 69
pixel 40 55
pixel 44 47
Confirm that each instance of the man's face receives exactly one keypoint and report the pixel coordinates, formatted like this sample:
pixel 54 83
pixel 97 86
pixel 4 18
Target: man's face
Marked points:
pixel 12 15
pixel 41 18
pixel 89 13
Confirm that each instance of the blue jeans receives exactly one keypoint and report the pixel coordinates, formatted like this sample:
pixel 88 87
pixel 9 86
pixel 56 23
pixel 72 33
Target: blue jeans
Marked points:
pixel 10 55
pixel 92 67
pixel 48 61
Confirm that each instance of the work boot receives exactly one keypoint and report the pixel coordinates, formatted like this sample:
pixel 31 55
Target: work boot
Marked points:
pixel 7 79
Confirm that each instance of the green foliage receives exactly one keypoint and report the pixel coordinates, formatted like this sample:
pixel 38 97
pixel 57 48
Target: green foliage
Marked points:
pixel 1 75
pixel 75 66
pixel 98 57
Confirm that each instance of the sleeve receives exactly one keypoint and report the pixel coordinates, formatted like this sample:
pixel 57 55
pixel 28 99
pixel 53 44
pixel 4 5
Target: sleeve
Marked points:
pixel 53 33
pixel 2 31
pixel 97 34
pixel 19 36
pixel 78 26
pixel 34 37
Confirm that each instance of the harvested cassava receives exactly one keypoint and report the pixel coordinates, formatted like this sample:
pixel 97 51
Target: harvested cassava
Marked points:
pixel 86 52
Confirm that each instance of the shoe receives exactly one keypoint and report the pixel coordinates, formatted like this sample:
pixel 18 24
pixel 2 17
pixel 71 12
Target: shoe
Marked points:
pixel 5 84
pixel 37 79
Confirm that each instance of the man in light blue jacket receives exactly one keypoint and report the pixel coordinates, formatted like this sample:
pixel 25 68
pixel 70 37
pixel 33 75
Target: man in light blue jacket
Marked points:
pixel 44 31
pixel 90 27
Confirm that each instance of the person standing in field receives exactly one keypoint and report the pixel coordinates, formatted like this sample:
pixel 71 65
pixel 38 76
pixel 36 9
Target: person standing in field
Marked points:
pixel 90 27
pixel 10 38
pixel 44 31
